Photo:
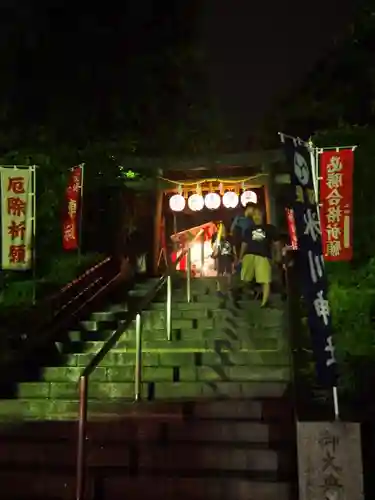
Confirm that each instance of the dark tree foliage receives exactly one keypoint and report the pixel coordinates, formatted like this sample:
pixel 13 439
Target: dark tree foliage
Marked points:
pixel 94 83
pixel 131 78
pixel 338 92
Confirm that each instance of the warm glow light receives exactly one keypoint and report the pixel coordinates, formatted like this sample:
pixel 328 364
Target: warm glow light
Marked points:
pixel 177 203
pixel 247 197
pixel 230 199
pixel 195 202
pixel 212 201
pixel 196 254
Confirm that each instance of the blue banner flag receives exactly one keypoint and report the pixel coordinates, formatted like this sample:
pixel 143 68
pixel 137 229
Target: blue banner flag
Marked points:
pixel 310 258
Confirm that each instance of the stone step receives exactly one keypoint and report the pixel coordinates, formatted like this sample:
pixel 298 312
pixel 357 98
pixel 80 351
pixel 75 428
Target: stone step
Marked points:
pixel 173 457
pixel 245 357
pixel 170 374
pixel 158 429
pixel 226 332
pixel 155 318
pixel 176 353
pixel 145 415
pixel 110 316
pixel 118 411
pixel 82 341
pixel 195 488
pixel 48 413
pixel 154 390
pixel 44 484
pixel 192 458
pixel 124 349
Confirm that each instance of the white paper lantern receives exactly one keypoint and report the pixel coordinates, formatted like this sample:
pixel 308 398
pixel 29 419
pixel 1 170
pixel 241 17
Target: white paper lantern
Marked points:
pixel 212 201
pixel 230 199
pixel 195 202
pixel 177 203
pixel 247 197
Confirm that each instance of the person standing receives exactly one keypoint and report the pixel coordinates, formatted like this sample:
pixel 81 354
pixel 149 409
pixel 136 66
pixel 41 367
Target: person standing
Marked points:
pixel 224 254
pixel 242 223
pixel 259 245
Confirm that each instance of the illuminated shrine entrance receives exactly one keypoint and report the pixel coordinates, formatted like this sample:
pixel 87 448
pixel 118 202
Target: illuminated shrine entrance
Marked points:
pixel 196 209
pixel 198 191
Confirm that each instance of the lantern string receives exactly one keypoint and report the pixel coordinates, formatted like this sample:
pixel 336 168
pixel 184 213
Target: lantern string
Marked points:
pixel 222 181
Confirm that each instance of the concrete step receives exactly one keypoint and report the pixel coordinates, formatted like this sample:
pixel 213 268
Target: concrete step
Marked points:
pixel 177 353
pixel 172 457
pixel 170 374
pixel 160 354
pixel 190 458
pixel 145 415
pixel 155 429
pixel 81 341
pixel 257 407
pixel 46 415
pixel 121 358
pixel 196 488
pixel 156 390
pixel 44 484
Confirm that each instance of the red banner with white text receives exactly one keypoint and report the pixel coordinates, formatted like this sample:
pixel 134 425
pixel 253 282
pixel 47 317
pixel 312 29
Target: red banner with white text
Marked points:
pixel 71 218
pixel 336 199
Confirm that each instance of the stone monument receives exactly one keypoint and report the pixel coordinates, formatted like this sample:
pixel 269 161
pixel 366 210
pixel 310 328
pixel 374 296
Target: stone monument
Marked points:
pixel 329 461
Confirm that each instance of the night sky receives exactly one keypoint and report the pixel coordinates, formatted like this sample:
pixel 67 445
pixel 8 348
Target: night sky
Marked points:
pixel 72 64
pixel 261 49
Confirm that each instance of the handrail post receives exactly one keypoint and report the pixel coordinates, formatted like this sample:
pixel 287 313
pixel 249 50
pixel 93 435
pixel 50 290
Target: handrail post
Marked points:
pixel 188 276
pixel 202 254
pixel 138 358
pixel 81 445
pixel 169 307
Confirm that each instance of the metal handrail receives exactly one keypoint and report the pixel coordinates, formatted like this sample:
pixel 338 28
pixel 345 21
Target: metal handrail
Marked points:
pixel 77 280
pixel 111 342
pixel 95 288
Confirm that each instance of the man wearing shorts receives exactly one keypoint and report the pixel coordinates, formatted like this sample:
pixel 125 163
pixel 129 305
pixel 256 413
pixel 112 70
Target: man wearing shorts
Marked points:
pixel 257 247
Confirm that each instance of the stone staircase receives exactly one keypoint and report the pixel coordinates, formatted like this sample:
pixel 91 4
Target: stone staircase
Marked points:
pixel 224 428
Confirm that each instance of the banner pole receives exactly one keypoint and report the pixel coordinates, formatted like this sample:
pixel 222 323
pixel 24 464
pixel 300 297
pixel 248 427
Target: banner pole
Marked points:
pixel 80 215
pixel 33 177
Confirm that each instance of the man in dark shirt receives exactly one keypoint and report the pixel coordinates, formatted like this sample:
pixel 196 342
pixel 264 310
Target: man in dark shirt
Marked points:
pixel 241 224
pixel 258 244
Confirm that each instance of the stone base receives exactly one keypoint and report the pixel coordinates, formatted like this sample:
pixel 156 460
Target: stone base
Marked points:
pixel 329 461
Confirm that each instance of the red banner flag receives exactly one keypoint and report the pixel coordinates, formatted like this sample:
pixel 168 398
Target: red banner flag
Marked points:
pixel 336 198
pixel 73 200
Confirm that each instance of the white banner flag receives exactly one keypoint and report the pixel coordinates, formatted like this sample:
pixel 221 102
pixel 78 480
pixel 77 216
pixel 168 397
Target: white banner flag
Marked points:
pixel 17 218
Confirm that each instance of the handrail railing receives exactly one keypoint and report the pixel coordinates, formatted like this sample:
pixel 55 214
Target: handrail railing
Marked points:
pixel 79 279
pixel 73 298
pixel 86 292
pixel 111 342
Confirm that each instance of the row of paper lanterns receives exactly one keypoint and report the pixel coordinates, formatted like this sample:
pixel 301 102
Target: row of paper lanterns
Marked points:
pixel 212 201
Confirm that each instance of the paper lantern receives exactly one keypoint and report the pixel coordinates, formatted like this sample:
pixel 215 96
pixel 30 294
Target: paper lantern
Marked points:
pixel 195 202
pixel 177 203
pixel 212 201
pixel 247 197
pixel 230 199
